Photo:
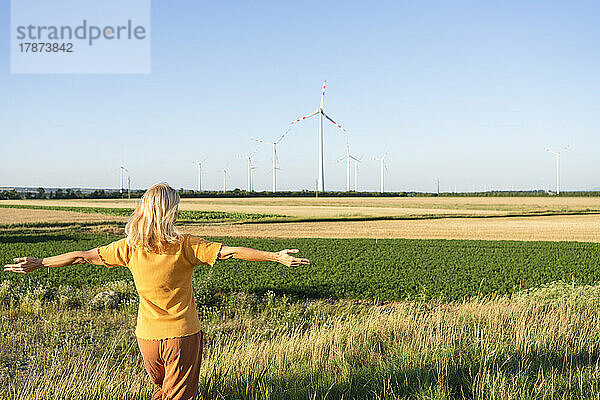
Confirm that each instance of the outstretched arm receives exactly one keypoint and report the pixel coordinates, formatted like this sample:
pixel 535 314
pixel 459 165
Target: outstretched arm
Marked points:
pixel 24 265
pixel 248 254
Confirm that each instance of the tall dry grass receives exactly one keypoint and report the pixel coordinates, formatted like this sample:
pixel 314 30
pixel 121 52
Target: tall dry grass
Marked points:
pixel 542 344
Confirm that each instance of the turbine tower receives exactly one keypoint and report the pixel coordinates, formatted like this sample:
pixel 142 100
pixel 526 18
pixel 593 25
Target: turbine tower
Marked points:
pixel 557 154
pixel 199 163
pixel 321 112
pixel 250 169
pixel 382 166
pixel 275 160
pixel 356 161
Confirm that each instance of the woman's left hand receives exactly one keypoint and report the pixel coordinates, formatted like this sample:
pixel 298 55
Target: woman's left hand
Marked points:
pixel 285 258
pixel 24 265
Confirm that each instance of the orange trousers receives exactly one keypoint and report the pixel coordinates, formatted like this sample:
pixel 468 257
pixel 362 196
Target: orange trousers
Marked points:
pixel 173 365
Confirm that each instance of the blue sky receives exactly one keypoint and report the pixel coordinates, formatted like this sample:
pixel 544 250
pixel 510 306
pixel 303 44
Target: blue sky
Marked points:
pixel 467 91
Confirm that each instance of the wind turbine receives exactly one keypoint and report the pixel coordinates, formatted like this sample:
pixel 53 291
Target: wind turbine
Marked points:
pixel 349 157
pixel 321 172
pixel 382 167
pixel 275 160
pixel 121 170
pixel 557 154
pixel 250 169
pixel 199 163
pixel 225 173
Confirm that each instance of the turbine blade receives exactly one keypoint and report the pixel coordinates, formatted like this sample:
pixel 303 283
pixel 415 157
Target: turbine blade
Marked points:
pixel 306 116
pixel 285 133
pixel 323 96
pixel 335 123
pixel 281 137
pixel 262 141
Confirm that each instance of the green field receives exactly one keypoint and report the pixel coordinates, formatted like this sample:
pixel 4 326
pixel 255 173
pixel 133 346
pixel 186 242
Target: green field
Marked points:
pixel 185 216
pixel 393 269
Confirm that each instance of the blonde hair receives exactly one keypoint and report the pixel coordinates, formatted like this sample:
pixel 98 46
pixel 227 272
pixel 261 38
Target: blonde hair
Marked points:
pixel 151 227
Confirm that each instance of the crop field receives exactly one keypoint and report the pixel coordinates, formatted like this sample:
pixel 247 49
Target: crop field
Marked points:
pixel 185 216
pixel 393 306
pixel 384 269
pixel 15 216
pixel 356 206
pixel 529 219
pixel 579 228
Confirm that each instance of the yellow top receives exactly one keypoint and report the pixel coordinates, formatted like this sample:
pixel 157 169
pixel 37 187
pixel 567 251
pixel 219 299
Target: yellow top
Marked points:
pixel 164 282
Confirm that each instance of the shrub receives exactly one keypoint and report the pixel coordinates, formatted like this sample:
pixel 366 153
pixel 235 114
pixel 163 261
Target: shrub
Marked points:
pixel 35 298
pixel 125 289
pixel 7 292
pixel 69 297
pixel 108 299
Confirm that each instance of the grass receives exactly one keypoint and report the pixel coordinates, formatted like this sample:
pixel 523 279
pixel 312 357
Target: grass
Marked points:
pixel 539 344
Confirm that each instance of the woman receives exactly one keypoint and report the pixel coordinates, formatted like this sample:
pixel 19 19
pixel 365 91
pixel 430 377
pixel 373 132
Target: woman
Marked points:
pixel 161 261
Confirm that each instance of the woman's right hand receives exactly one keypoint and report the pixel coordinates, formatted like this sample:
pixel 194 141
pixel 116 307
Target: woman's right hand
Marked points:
pixel 24 265
pixel 286 259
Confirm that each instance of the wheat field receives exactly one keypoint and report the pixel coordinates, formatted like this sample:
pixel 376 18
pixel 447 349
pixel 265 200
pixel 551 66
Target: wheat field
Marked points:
pixel 579 228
